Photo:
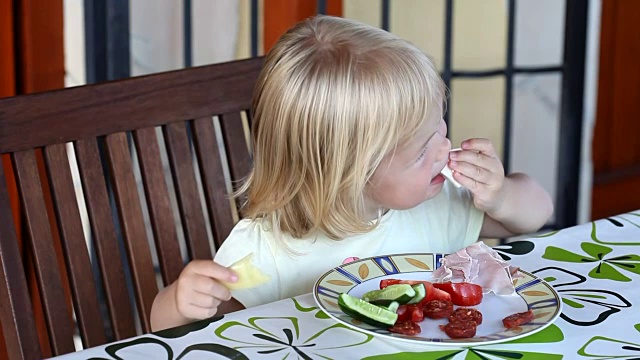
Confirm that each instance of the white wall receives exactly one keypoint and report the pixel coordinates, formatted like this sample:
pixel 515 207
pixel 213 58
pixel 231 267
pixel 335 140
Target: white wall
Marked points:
pixel 590 104
pixel 74 60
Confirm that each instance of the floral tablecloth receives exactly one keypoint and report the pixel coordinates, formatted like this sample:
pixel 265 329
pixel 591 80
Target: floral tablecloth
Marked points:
pixel 595 268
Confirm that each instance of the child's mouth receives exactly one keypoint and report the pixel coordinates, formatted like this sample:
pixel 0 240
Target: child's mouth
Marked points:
pixel 438 179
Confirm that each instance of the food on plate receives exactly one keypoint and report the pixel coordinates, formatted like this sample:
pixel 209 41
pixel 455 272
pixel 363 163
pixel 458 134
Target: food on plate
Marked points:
pixel 400 305
pixel 406 328
pixel 410 312
pixel 430 292
pixel 463 323
pixel 437 309
pixel 462 294
pixel 249 275
pixel 515 320
pixel 366 312
pixel 464 266
pixel 460 329
pixel 401 293
pixel 466 314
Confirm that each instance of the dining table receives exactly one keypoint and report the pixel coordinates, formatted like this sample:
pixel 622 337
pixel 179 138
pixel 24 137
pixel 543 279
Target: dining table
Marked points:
pixel 593 267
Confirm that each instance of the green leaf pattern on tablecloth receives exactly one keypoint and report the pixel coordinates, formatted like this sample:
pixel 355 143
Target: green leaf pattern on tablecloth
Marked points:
pixel 549 234
pixel 319 313
pixel 602 347
pixel 132 346
pixel 614 221
pixel 605 268
pixel 281 335
pixel 584 306
pixel 520 247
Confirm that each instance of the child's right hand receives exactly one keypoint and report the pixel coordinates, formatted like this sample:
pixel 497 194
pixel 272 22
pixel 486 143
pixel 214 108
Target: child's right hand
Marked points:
pixel 198 291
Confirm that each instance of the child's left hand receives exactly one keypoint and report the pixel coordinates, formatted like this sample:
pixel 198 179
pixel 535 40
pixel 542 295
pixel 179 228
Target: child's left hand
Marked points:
pixel 478 168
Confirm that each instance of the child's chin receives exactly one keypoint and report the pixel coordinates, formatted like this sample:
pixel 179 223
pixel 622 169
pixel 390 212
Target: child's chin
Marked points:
pixel 434 190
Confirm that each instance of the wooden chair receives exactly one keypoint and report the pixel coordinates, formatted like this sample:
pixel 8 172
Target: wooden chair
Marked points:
pixel 104 123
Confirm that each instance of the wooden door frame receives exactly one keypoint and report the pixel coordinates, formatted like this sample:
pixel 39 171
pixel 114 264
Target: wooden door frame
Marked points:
pixel 616 173
pixel 32 60
pixel 280 15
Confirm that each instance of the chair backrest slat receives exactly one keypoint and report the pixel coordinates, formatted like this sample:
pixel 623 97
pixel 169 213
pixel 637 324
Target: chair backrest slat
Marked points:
pixel 85 299
pixel 213 181
pixel 236 145
pixel 104 238
pixel 132 224
pixel 20 336
pixel 58 321
pixel 188 196
pixel 160 212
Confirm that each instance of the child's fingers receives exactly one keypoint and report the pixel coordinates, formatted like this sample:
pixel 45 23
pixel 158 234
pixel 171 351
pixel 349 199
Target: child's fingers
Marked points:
pixel 470 183
pixel 471 171
pixel 482 145
pixel 477 159
pixel 213 270
pixel 210 287
pixel 204 301
pixel 199 312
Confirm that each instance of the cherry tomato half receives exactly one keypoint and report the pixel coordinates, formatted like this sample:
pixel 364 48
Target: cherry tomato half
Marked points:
pixel 462 294
pixel 410 312
pixel 431 293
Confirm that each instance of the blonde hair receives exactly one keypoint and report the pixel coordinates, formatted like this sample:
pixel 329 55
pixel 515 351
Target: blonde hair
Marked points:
pixel 334 97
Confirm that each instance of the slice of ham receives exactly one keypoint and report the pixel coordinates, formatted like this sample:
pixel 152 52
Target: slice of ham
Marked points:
pixel 481 265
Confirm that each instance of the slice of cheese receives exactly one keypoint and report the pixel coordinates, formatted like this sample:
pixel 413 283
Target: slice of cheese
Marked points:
pixel 249 275
pixel 448 173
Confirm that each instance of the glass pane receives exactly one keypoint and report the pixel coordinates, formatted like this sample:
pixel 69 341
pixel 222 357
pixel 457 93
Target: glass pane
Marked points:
pixel 244 30
pixel 539 32
pixel 74 50
pixel 421 22
pixel 535 127
pixel 479 34
pixel 477 110
pixel 215 27
pixel 366 11
pixel 156 36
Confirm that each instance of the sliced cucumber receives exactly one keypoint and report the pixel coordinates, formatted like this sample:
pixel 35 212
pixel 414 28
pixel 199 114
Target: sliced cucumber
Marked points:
pixel 421 292
pixel 401 293
pixel 393 306
pixel 366 312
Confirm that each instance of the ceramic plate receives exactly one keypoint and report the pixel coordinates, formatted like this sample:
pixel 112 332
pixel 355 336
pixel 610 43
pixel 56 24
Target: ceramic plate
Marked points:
pixel 360 276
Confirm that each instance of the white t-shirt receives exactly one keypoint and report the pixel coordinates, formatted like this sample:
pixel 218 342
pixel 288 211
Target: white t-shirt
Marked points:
pixel 443 224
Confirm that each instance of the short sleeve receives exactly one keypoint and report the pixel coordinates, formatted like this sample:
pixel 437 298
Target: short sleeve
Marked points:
pixel 245 238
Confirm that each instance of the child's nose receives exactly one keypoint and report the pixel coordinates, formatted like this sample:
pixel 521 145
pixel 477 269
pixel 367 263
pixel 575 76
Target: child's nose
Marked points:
pixel 443 153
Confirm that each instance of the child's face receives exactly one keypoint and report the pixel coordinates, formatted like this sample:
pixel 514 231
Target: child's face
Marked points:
pixel 411 175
